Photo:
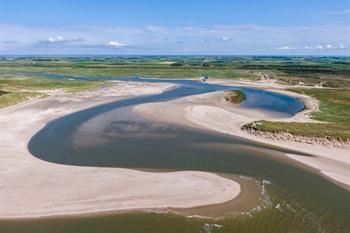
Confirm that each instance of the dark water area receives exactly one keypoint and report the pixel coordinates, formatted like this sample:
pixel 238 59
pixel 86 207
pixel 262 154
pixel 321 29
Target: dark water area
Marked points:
pixel 301 200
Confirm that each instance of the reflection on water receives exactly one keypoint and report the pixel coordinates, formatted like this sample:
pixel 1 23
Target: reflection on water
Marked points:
pixel 301 201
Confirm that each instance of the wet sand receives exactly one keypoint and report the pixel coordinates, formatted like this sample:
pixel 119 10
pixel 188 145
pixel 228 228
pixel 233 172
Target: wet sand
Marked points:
pixel 32 188
pixel 212 112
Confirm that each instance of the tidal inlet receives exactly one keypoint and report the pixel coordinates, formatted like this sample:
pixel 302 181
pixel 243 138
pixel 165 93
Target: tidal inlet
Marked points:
pixel 176 118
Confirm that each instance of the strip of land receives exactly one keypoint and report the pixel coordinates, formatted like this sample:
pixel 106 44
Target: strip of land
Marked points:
pixel 31 188
pixel 212 111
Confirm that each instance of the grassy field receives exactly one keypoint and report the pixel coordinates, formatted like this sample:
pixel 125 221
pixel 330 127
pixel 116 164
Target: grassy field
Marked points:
pixel 334 111
pixel 16 89
pixel 325 71
pixel 20 82
pixel 235 97
pixel 130 71
pixel 13 98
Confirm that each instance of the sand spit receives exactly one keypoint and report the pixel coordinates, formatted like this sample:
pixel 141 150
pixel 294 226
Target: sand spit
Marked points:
pixel 31 188
pixel 210 111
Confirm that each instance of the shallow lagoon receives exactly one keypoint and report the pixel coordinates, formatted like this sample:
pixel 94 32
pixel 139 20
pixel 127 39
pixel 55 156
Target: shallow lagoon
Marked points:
pixel 300 200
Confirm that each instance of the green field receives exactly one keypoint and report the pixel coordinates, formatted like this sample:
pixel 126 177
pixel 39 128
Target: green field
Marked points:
pixel 325 71
pixel 13 98
pixel 20 82
pixel 334 112
pixel 18 88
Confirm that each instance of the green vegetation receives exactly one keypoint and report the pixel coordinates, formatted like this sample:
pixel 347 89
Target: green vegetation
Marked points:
pixel 16 89
pixel 235 97
pixel 11 98
pixel 334 111
pixel 324 71
pixel 26 83
pixel 334 104
pixel 3 92
pixel 317 130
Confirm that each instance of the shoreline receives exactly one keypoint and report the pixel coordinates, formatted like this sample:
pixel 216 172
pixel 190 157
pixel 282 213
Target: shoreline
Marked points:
pixel 205 111
pixel 185 110
pixel 250 190
pixel 53 190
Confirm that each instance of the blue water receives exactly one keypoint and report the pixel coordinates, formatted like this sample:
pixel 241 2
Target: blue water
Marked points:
pixel 283 105
pixel 308 202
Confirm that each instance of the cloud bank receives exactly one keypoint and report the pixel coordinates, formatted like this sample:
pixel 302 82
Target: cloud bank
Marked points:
pixel 116 44
pixel 314 47
pixel 61 39
pixel 154 39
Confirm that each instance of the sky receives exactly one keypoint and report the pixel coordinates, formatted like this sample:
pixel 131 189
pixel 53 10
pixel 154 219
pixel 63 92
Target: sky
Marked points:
pixel 178 27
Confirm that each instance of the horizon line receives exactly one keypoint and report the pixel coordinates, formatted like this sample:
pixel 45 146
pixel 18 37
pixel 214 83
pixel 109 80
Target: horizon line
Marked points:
pixel 184 55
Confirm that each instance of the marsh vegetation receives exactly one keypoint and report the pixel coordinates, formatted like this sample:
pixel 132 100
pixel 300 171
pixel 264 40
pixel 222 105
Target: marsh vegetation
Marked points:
pixel 235 96
pixel 334 117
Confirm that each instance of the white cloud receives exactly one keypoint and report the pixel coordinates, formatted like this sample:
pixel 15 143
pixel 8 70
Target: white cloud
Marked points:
pixel 327 46
pixel 284 48
pixel 287 48
pixel 60 39
pixel 56 39
pixel 246 39
pixel 342 46
pixel 315 47
pixel 116 44
pixel 225 38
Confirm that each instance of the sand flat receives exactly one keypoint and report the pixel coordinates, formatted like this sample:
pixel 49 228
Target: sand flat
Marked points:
pixel 210 112
pixel 31 188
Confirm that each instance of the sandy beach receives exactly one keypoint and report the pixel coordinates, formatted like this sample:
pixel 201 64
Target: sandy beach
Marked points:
pixel 31 188
pixel 212 112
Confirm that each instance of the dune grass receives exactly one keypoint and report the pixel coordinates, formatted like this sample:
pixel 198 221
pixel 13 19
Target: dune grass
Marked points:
pixel 13 83
pixel 316 130
pixel 334 112
pixel 16 89
pixel 12 98
pixel 334 104
pixel 235 96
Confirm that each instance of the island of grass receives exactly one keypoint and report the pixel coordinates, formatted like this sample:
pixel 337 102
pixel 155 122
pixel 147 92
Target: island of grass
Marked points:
pixel 235 96
pixel 334 114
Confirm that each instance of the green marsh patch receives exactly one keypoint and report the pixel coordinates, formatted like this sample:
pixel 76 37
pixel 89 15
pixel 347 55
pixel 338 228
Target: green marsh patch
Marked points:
pixel 334 112
pixel 11 98
pixel 16 89
pixel 235 97
pixel 27 83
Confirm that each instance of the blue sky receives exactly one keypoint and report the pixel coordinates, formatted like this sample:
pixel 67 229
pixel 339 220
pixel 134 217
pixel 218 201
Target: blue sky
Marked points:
pixel 175 27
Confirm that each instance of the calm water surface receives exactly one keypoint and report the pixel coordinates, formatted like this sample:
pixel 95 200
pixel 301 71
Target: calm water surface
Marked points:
pixel 301 200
